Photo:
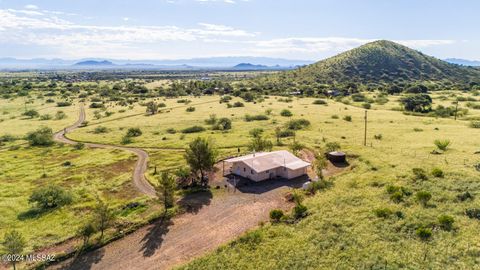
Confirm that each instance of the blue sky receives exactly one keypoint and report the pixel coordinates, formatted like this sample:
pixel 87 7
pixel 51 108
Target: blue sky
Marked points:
pixel 172 29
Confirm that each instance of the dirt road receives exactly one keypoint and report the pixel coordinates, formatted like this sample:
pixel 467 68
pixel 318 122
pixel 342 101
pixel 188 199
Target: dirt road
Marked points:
pixel 208 223
pixel 140 167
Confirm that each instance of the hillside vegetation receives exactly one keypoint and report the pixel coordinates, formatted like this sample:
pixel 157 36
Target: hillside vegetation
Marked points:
pixel 373 64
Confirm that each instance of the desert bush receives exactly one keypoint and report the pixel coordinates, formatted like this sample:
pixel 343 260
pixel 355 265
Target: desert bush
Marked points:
pixel 465 196
pixel 193 129
pixel 225 99
pixel 45 117
pixel 286 113
pixel 212 119
pixel 190 109
pixel 437 172
pixel 378 137
pixel 319 102
pixel 475 124
pixel 31 113
pixel 297 124
pixel 223 124
pixel 238 104
pixel 260 144
pixel 286 133
pixel 473 213
pixel 126 140
pixel 276 215
pixel 50 197
pixel 332 146
pixel 41 137
pixel 419 174
pixel 367 105
pixel 171 131
pixel 347 118
pixel 59 115
pixel 79 146
pixel 100 129
pixel 299 211
pixel 424 233
pixel 96 105
pixel 423 197
pixel 134 132
pixel 259 117
pixel 446 222
pixel 383 212
pixel 63 104
pixel 442 144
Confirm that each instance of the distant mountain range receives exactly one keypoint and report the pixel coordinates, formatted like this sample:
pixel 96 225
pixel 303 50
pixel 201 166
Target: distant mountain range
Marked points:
pixel 377 62
pixel 463 62
pixel 257 63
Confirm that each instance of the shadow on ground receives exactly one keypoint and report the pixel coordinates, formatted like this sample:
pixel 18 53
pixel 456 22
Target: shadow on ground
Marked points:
pixel 248 186
pixel 153 240
pixel 86 261
pixel 193 202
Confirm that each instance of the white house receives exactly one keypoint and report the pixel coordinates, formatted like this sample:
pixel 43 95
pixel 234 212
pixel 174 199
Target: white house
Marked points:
pixel 267 165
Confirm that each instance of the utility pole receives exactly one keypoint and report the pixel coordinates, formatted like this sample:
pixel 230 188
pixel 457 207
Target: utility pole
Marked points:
pixel 365 135
pixel 456 110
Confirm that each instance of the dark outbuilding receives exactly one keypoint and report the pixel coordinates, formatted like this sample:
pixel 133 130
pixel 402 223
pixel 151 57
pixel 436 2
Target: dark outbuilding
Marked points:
pixel 337 157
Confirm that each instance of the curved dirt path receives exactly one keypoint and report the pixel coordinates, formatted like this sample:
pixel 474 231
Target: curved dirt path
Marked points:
pixel 140 167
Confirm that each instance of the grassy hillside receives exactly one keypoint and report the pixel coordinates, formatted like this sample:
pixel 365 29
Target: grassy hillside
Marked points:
pixel 379 62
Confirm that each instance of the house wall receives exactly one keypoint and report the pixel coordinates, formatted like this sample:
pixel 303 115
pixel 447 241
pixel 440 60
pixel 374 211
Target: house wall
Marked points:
pixel 243 170
pixel 296 173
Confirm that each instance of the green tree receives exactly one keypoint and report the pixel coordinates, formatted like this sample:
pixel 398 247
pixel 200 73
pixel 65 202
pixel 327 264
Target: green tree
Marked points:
pixel 260 144
pixel 296 147
pixel 50 197
pixel 423 197
pixel 200 156
pixel 103 216
pixel 14 243
pixel 166 189
pixel 152 107
pixel 417 103
pixel 319 164
pixel 85 232
pixel 41 137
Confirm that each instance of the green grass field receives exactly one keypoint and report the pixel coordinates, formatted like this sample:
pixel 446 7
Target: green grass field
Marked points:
pixel 341 231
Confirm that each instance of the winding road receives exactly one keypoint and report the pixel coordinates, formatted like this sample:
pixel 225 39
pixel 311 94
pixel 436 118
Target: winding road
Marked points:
pixel 139 180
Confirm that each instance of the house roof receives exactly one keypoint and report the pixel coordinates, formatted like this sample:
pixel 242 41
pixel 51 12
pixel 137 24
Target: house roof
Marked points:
pixel 263 161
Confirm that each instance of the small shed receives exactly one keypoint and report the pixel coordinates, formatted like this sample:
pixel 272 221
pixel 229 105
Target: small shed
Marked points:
pixel 337 157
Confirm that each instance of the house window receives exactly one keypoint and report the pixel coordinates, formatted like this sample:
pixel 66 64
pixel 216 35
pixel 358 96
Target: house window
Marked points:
pixel 251 171
pixel 244 169
pixel 268 171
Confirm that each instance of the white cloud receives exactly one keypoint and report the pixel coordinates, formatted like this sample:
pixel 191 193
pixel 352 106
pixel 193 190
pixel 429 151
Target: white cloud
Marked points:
pixel 31 7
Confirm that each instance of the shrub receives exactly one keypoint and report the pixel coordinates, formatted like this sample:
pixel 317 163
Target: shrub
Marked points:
pixel 45 117
pixel 100 129
pixel 475 124
pixel 134 132
pixel 297 124
pixel 276 215
pixel 442 144
pixel 171 131
pixel 260 144
pixel 31 113
pixel 378 137
pixel 446 222
pixel 50 197
pixel 299 211
pixel 193 129
pixel 423 197
pixel 223 124
pixel 473 213
pixel 465 196
pixel 225 99
pixel 424 233
pixel 367 105
pixel 286 113
pixel 259 117
pixel 397 197
pixel 334 116
pixel 60 115
pixel 63 104
pixel 383 212
pixel 79 146
pixel 212 119
pixel 319 102
pixel 256 132
pixel 96 105
pixel 332 146
pixel 190 109
pixel 126 140
pixel 437 172
pixel 238 104
pixel 185 101
pixel 347 118
pixel 41 137
pixel 286 133
pixel 419 174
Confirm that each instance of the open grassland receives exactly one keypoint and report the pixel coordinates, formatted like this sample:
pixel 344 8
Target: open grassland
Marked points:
pixel 342 231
